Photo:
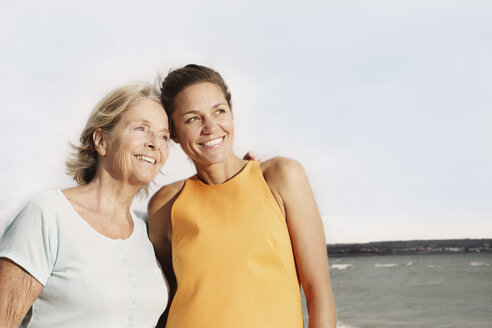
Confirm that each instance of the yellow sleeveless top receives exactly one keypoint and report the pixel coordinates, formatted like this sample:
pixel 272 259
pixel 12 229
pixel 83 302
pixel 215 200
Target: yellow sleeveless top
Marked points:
pixel 232 257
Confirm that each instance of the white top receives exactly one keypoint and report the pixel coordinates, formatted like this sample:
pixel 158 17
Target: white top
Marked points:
pixel 89 280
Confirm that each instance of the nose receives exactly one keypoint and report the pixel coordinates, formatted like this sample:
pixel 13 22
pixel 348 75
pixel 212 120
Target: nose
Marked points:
pixel 152 141
pixel 209 125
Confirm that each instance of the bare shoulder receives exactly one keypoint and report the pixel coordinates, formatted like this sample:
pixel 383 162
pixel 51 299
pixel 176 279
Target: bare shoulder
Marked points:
pixel 164 195
pixel 281 168
pixel 283 176
pixel 159 213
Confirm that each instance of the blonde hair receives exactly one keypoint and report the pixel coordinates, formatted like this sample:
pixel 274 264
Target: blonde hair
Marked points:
pixel 82 165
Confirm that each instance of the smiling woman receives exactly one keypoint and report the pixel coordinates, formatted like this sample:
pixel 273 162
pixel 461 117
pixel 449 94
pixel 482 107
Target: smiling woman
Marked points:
pixel 236 239
pixel 209 132
pixel 136 148
pixel 103 120
pixel 79 257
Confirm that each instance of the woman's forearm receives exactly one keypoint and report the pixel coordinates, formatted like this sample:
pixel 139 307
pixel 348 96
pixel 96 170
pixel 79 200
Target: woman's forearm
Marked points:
pixel 321 309
pixel 18 291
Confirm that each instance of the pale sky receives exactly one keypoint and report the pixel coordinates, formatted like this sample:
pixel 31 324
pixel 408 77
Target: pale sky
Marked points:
pixel 387 104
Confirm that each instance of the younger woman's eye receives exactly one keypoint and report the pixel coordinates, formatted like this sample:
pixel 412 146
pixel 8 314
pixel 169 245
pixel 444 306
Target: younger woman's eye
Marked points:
pixel 192 119
pixel 220 111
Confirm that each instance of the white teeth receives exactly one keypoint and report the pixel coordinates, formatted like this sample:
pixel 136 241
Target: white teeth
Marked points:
pixel 213 142
pixel 145 158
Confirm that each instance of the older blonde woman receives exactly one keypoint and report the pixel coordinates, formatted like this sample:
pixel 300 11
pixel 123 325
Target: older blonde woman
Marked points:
pixel 79 257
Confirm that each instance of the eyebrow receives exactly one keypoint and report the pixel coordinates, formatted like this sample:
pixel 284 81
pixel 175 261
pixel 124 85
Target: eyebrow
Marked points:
pixel 149 122
pixel 192 111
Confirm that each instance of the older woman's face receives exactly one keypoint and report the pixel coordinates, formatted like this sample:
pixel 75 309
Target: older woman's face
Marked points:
pixel 203 123
pixel 137 145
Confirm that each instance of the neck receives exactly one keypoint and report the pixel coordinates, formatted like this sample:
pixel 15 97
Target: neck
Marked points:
pixel 106 196
pixel 218 173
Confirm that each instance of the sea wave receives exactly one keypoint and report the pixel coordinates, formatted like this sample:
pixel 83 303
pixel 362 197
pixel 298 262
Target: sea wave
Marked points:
pixel 341 266
pixel 433 266
pixel 479 264
pixel 344 325
pixel 385 265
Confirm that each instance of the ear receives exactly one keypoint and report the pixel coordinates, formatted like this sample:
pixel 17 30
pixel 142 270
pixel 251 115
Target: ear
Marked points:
pixel 173 135
pixel 99 138
pixel 174 138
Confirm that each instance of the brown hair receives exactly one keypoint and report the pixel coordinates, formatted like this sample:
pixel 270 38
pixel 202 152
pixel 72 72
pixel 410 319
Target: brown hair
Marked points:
pixel 177 80
pixel 82 165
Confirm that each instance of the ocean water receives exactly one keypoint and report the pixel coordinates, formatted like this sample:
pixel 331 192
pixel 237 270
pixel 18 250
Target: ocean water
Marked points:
pixel 431 291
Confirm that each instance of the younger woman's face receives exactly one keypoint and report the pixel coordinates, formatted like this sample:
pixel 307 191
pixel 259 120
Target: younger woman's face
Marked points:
pixel 203 123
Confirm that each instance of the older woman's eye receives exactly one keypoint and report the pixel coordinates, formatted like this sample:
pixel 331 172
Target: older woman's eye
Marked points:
pixel 220 111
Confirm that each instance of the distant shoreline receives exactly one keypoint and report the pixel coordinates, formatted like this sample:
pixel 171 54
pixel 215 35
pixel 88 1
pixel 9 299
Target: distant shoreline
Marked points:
pixel 411 247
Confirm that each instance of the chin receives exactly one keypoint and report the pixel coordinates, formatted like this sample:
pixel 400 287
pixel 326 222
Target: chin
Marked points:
pixel 214 159
pixel 143 181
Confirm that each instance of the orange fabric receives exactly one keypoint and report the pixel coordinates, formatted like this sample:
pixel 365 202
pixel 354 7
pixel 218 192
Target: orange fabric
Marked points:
pixel 232 257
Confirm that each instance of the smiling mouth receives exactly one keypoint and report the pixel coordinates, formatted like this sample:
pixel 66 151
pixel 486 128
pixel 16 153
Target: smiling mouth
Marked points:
pixel 145 159
pixel 212 142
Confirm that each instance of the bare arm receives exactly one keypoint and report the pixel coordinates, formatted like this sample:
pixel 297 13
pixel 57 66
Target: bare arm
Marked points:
pixel 288 180
pixel 160 230
pixel 18 291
